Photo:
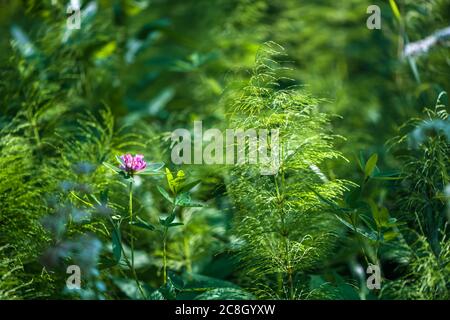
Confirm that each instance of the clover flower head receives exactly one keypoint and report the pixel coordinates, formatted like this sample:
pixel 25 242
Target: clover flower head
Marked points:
pixel 132 164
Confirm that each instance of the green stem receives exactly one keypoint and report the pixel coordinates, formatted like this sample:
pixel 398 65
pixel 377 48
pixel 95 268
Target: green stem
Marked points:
pixel 166 230
pixel 359 238
pixel 285 234
pixel 187 254
pixel 291 285
pixel 130 205
pixel 165 255
pixel 34 126
pixel 186 249
pixel 131 264
pixel 36 134
pixel 127 261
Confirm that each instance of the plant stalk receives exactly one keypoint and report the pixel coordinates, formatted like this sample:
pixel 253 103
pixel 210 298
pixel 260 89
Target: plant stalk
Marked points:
pixel 165 255
pixel 130 205
pixel 131 263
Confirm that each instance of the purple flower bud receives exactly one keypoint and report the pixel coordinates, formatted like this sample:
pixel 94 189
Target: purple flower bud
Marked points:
pixel 132 164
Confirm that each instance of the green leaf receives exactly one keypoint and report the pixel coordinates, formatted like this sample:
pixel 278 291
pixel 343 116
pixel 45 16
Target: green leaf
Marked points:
pixel 152 169
pixel 225 294
pixel 119 160
pixel 375 212
pixel 370 165
pixel 177 281
pixel 353 198
pixel 189 186
pixel 184 200
pixel 388 175
pixel 395 10
pixel 116 244
pixel 105 51
pixel 175 224
pixel 390 235
pixel 361 161
pixel 154 166
pixel 414 69
pixel 168 290
pixel 164 194
pixel 128 287
pixel 328 202
pixel 170 178
pixel 166 222
pixel 106 263
pixel 156 295
pixel 339 287
pixel 113 168
pixel 371 236
pixel 201 282
pixel 142 224
pixel 175 184
pixel 104 196
pixel 125 175
pixel 384 217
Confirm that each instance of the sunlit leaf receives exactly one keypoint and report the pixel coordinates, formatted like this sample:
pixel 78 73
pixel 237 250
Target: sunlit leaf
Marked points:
pixel 113 168
pixel 370 165
pixel 165 194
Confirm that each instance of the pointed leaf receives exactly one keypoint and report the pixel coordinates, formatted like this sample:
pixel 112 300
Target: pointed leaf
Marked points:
pixel 184 200
pixel 375 212
pixel 154 166
pixel 384 216
pixel 175 184
pixel 395 10
pixel 116 245
pixel 189 186
pixel 142 224
pixel 169 177
pixel 167 221
pixel 370 165
pixel 152 169
pixel 177 281
pixel 119 160
pixel 113 168
pixel 387 175
pixel 361 161
pixel 164 194
pixel 370 236
pixel 175 224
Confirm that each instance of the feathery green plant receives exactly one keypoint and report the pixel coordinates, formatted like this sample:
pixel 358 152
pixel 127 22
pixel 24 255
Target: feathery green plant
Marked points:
pixel 424 246
pixel 283 228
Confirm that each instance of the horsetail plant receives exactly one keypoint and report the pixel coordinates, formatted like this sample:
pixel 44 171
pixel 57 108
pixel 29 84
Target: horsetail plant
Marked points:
pixel 284 230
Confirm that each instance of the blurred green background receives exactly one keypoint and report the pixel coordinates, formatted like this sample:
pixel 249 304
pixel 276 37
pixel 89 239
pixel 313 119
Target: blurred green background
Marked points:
pixel 138 69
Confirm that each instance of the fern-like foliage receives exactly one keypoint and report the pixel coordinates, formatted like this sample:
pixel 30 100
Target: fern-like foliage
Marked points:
pixel 426 176
pixel 424 249
pixel 284 230
pixel 11 286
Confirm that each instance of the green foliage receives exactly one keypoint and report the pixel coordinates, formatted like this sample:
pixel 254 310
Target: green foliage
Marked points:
pixel 422 204
pixel 426 274
pixel 426 176
pixel 284 230
pixel 72 101
pixel 11 283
